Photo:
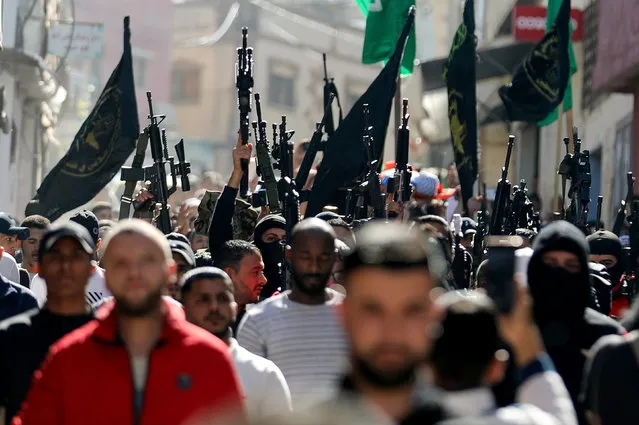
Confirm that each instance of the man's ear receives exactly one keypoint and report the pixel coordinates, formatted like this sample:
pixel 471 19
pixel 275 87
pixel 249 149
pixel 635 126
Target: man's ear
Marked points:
pixel 98 243
pixel 288 254
pixel 229 271
pixel 495 371
pixel 172 270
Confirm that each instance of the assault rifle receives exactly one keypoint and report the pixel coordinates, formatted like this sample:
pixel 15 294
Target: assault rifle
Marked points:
pixel 580 182
pixel 632 252
pixel 370 185
pixel 482 231
pixel 522 208
pixel 502 194
pixel 156 173
pixel 330 91
pixel 621 212
pixel 244 84
pixel 599 206
pixel 399 185
pixel 314 146
pixel 264 165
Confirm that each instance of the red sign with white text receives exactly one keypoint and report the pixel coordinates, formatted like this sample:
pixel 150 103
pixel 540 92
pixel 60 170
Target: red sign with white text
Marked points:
pixel 529 23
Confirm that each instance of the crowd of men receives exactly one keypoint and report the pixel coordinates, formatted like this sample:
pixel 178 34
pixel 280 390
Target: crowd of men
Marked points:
pixel 107 322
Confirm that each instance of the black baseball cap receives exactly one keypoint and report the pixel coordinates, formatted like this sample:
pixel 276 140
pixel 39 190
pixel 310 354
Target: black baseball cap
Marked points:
pixel 66 230
pixel 183 249
pixel 89 221
pixel 8 227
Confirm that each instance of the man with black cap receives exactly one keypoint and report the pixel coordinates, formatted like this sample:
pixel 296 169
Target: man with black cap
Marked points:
pixel 11 235
pixel 184 259
pixel 606 249
pixel 65 265
pixel 96 288
pixel 559 281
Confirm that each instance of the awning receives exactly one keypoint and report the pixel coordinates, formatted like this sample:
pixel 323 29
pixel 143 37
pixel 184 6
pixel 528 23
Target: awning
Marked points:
pixel 493 62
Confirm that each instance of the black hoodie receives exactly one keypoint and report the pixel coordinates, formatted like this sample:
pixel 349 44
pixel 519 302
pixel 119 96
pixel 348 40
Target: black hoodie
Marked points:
pixel 560 298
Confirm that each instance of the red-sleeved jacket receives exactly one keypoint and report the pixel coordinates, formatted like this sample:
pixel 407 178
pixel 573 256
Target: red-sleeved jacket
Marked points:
pixel 87 377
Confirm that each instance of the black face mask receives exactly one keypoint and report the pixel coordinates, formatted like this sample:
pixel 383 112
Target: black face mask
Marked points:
pixel 558 295
pixel 272 252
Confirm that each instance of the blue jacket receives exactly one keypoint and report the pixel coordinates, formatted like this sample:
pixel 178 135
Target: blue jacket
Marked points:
pixel 14 299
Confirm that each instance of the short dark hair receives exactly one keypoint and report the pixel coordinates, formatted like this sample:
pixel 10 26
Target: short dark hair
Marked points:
pixel 232 252
pixel 203 258
pixel 389 246
pixel 35 222
pixel 467 340
pixel 192 276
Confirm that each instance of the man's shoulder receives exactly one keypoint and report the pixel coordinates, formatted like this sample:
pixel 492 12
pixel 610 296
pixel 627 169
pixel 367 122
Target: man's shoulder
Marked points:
pixel 258 363
pixel 272 305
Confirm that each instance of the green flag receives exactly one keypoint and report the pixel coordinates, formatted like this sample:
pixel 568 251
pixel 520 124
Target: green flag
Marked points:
pixel 553 11
pixel 384 22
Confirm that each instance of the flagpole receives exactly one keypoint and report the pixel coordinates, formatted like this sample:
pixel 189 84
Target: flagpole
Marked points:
pixel 558 155
pixel 398 106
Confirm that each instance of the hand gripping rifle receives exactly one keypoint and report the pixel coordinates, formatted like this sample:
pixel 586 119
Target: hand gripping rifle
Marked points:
pixel 156 173
pixel 314 146
pixel 502 194
pixel 621 212
pixel 244 84
pixel 580 182
pixel 371 185
pixel 330 91
pixel 264 164
pixel 399 185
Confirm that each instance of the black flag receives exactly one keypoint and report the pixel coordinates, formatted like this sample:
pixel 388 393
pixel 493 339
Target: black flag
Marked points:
pixel 344 155
pixel 105 141
pixel 539 84
pixel 459 74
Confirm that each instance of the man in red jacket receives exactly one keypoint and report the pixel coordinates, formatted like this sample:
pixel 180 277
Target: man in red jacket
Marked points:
pixel 140 362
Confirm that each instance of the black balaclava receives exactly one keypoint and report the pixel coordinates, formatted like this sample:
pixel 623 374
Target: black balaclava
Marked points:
pixel 603 242
pixel 559 297
pixel 272 253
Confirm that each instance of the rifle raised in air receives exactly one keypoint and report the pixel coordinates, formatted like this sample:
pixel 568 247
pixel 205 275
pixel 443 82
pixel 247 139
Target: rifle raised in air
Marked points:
pixel 624 204
pixel 399 185
pixel 502 194
pixel 264 164
pixel 156 173
pixel 244 84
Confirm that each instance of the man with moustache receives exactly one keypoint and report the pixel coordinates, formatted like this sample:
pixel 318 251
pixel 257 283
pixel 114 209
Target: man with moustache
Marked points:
pixel 387 317
pixel 139 355
pixel 209 303
pixel 299 330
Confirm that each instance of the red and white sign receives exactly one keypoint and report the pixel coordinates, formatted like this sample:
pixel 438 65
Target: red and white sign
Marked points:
pixel 529 23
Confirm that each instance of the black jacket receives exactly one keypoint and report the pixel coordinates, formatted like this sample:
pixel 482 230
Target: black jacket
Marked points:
pixel 14 299
pixel 24 343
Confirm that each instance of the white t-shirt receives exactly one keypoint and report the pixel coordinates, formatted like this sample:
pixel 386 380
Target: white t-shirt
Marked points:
pixel 96 288
pixel 307 343
pixel 9 268
pixel 266 392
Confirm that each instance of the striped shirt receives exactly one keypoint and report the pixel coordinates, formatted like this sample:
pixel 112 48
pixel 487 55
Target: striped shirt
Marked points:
pixel 307 343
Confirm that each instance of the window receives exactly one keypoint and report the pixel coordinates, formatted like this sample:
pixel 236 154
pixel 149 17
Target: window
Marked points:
pixel 185 84
pixel 281 87
pixel 139 72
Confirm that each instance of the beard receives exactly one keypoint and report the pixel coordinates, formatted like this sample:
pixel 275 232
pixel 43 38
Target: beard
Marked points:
pixel 313 284
pixel 141 308
pixel 388 379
